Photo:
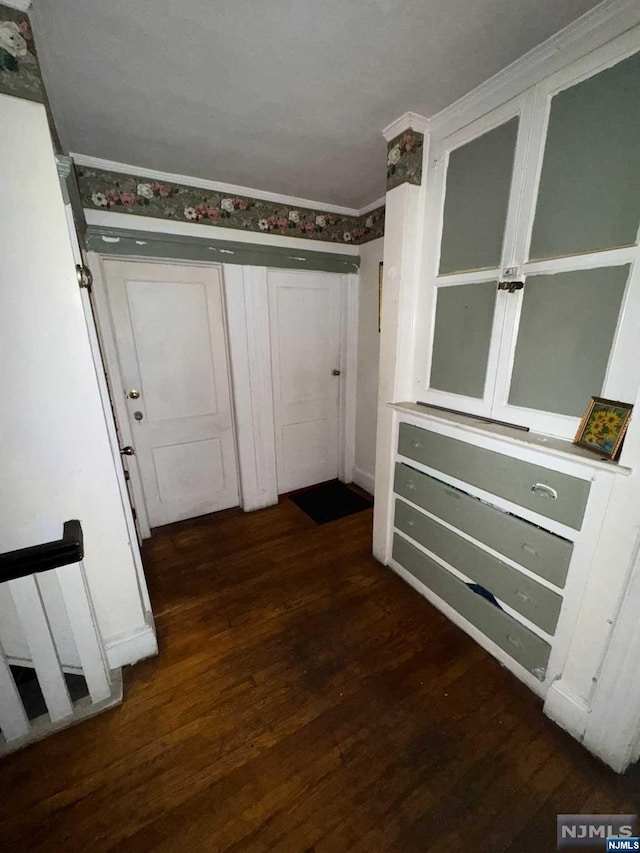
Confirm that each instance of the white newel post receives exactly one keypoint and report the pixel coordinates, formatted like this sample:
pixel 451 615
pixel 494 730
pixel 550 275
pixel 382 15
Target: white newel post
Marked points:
pixel 403 240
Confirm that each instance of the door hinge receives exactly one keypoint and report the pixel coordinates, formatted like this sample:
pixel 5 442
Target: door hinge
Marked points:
pixel 511 286
pixel 85 278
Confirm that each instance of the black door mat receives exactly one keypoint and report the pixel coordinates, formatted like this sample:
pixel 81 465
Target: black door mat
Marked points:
pixel 329 501
pixel 29 689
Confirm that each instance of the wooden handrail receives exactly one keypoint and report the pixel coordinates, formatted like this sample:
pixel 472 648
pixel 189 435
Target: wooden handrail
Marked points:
pixel 41 558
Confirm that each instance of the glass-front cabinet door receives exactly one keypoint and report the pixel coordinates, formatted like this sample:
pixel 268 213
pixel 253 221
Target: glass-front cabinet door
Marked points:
pixel 535 301
pixel 476 182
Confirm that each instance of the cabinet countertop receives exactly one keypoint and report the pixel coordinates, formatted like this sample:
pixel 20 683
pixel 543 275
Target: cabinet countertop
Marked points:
pixel 512 435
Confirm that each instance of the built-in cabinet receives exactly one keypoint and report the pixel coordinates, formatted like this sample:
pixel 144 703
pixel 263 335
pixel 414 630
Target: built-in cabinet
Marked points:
pixel 511 296
pixel 531 273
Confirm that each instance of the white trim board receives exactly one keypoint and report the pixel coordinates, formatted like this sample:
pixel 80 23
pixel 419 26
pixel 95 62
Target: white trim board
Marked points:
pixel 104 219
pixel 216 186
pixel 247 305
pixel 364 479
pixel 374 205
pixel 20 5
pixel 349 306
pixel 407 121
pixel 593 29
pixel 132 646
pixel 588 32
pixel 109 361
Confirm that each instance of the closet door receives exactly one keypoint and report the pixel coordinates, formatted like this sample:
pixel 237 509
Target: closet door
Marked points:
pixel 477 192
pixel 304 326
pixel 571 333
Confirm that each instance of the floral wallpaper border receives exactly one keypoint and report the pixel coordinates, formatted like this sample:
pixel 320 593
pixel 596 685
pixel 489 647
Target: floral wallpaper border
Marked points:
pixel 112 191
pixel 404 159
pixel 19 67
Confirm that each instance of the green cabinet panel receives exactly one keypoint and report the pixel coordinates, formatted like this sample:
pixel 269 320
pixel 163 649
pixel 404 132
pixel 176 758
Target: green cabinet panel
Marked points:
pixel 476 200
pixel 523 483
pixel 538 550
pixel 567 326
pixel 530 650
pixel 462 334
pixel 589 195
pixel 529 598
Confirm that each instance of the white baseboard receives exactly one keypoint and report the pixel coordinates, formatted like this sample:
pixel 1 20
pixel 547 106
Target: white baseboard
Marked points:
pixel 363 479
pixel 566 709
pixel 132 646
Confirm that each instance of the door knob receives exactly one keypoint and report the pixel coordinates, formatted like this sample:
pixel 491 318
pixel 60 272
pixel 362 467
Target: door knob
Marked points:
pixel 133 394
pixel 335 373
pixel 138 416
pixel 127 451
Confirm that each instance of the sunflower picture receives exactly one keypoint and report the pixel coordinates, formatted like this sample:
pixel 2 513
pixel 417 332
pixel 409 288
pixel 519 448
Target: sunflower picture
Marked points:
pixel 603 426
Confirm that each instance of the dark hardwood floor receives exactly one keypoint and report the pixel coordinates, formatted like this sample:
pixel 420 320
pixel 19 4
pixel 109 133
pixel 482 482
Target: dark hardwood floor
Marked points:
pixel 304 699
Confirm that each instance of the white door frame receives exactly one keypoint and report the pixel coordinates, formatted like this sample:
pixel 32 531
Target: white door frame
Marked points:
pixel 349 366
pixel 107 338
pixel 245 304
pixel 95 343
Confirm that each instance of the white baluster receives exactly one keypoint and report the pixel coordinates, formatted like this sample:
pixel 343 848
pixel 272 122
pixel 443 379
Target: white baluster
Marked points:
pixel 73 583
pixel 13 719
pixel 33 618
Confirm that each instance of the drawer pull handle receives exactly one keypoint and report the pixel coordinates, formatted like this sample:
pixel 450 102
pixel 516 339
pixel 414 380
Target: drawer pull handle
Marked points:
pixel 529 549
pixel 411 486
pixel 544 491
pixel 514 642
pixel 522 595
pixel 416 444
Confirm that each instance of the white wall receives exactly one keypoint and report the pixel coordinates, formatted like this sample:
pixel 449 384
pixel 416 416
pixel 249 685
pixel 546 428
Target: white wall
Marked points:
pixel 368 354
pixel 55 457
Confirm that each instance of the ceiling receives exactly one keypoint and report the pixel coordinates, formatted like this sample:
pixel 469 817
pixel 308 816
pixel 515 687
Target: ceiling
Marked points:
pixel 288 96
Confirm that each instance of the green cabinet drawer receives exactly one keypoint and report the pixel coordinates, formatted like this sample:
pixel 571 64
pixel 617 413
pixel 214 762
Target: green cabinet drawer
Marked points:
pixel 534 601
pixel 550 493
pixel 530 650
pixel 540 551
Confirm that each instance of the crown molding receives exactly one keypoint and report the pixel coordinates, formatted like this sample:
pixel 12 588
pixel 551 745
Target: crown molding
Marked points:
pixel 215 186
pixel 374 205
pixel 407 121
pixel 20 5
pixel 593 29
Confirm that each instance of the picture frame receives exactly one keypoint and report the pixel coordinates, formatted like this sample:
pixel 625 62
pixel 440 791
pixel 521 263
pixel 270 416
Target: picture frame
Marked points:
pixel 603 427
pixel 380 273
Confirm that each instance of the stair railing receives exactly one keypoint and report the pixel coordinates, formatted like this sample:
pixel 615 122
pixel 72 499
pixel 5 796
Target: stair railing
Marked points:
pixel 19 570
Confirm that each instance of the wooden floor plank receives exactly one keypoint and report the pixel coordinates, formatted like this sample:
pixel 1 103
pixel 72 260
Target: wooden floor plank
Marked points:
pixel 304 698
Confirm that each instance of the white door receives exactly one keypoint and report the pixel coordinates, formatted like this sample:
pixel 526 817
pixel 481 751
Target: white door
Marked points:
pixel 170 335
pixel 304 313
